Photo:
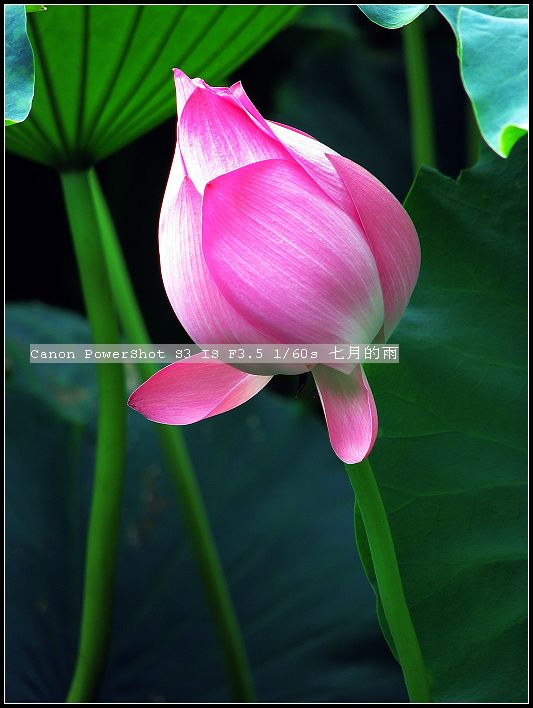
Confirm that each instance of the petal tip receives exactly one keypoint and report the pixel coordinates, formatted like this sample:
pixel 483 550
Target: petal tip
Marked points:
pixel 131 403
pixel 350 412
pixel 353 459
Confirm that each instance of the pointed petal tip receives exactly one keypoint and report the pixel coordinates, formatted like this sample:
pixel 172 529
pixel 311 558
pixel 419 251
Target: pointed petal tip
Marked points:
pixel 132 401
pixel 180 75
pixel 217 136
pixel 353 458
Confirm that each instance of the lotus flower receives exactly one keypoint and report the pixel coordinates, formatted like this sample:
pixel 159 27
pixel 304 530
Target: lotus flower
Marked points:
pixel 268 236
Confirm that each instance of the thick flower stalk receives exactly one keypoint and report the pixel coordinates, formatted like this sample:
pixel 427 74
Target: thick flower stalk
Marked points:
pixel 268 236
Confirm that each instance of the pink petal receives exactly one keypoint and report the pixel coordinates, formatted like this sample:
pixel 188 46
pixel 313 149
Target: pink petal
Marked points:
pixel 175 180
pixel 202 310
pixel 308 152
pixel 311 154
pixel 240 94
pixel 350 412
pixel 192 390
pixel 288 258
pixel 219 90
pixel 198 304
pixel 216 135
pixel 390 233
pixel 184 88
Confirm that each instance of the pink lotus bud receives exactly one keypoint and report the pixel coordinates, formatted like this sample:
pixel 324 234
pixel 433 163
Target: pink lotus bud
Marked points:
pixel 268 236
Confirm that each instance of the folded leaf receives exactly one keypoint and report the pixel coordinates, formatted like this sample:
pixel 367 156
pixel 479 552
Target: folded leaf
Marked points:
pixel 19 66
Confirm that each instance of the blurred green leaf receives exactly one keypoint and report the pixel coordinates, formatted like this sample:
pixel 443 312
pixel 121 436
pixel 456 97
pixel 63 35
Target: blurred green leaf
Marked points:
pixel 35 8
pixel 281 510
pixel 104 72
pixel 392 16
pixel 451 458
pixel 19 66
pixel 492 45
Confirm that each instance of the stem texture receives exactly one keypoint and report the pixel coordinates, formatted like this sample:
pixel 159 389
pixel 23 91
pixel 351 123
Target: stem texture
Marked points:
pixel 389 582
pixel 104 518
pixel 173 445
pixel 418 88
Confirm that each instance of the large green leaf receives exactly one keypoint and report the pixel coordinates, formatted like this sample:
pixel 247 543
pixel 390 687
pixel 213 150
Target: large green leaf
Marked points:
pixel 392 16
pixel 281 509
pixel 451 457
pixel 492 44
pixel 19 66
pixel 103 72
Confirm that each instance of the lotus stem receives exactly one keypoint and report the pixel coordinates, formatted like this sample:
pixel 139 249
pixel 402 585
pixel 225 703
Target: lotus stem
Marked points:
pixel 389 581
pixel 104 518
pixel 418 88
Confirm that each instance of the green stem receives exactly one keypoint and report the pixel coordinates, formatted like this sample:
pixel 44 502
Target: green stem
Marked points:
pixel 173 445
pixel 389 582
pixel 104 519
pixel 416 67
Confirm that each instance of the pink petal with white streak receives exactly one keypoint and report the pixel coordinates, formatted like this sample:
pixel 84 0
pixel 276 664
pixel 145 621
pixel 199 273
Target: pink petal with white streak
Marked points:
pixel 216 136
pixel 311 154
pixel 184 88
pixel 202 310
pixel 350 412
pixel 287 258
pixel 390 233
pixel 193 390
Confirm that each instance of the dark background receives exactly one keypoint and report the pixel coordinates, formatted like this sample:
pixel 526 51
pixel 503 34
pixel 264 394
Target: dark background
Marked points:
pixel 332 55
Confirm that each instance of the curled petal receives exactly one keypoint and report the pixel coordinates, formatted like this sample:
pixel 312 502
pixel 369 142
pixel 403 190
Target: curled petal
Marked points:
pixel 390 233
pixel 287 258
pixel 240 94
pixel 216 135
pixel 350 412
pixel 192 390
